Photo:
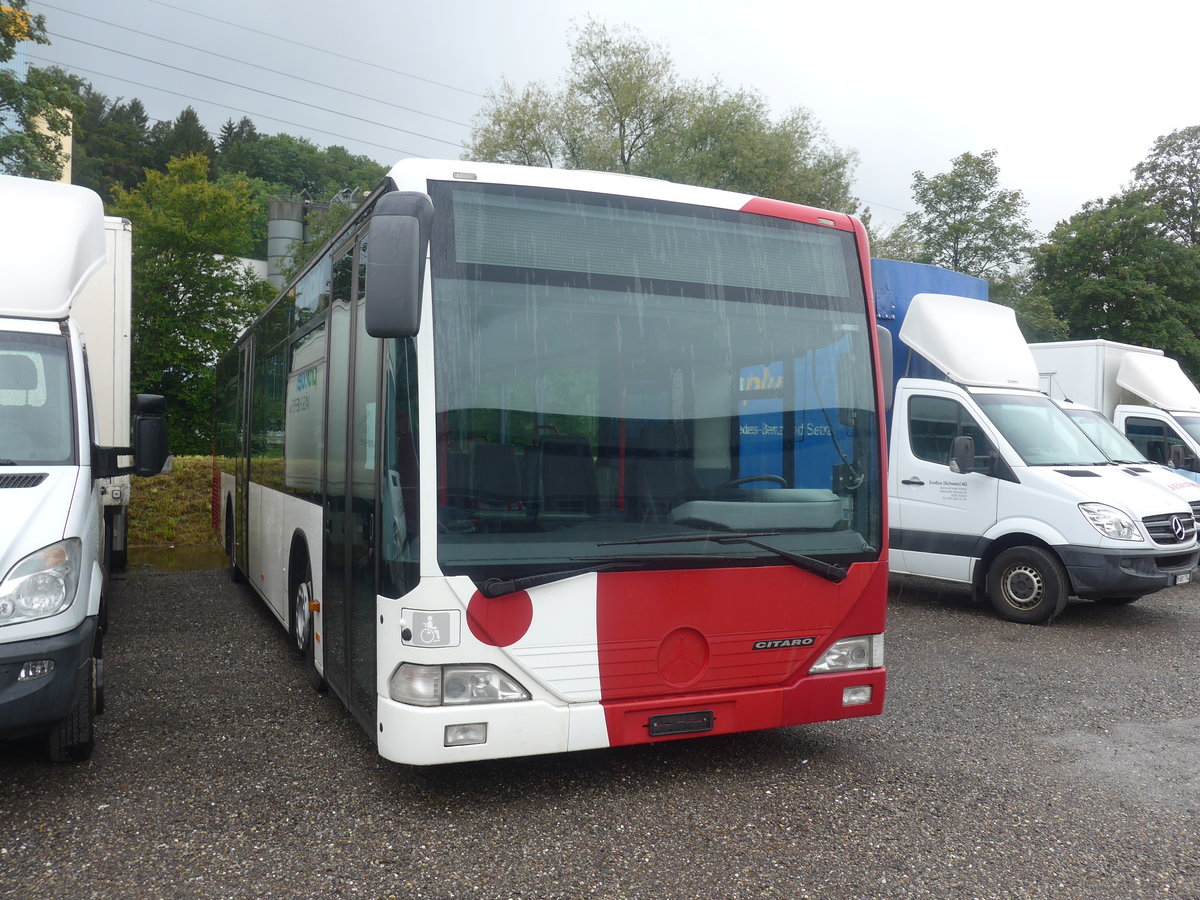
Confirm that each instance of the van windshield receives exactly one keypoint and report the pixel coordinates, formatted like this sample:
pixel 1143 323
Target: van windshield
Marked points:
pixel 1040 431
pixel 35 400
pixel 1106 436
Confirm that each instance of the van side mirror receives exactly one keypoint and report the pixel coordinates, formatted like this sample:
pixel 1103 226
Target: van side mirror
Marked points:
pixel 962 455
pixel 883 338
pixel 150 453
pixel 397 246
pixel 1177 457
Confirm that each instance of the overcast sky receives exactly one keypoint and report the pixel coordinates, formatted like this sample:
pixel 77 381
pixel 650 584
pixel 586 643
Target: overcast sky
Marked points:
pixel 1071 95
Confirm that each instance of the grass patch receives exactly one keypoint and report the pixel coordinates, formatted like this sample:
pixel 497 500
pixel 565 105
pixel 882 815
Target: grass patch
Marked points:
pixel 173 510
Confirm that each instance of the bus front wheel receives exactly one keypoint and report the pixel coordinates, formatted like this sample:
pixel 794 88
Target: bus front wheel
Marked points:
pixel 303 620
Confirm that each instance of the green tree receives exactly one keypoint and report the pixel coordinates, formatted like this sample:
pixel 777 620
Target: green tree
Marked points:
pixel 189 302
pixel 35 113
pixel 622 108
pixel 110 142
pixel 1035 313
pixel 186 136
pixel 1112 271
pixel 726 139
pixel 968 223
pixel 1170 179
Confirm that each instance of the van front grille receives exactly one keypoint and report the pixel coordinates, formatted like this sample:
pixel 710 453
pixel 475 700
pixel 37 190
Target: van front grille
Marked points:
pixel 1164 530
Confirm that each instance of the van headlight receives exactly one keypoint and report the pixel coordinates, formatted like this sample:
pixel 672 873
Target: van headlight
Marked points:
pixel 43 584
pixel 1110 521
pixel 848 654
pixel 453 685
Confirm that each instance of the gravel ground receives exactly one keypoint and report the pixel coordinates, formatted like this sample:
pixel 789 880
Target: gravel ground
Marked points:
pixel 1012 761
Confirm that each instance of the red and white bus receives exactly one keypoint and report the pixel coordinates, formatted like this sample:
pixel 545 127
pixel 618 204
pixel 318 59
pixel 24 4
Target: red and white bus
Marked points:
pixel 534 460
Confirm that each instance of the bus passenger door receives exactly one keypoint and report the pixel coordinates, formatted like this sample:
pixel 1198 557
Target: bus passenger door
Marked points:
pixel 350 490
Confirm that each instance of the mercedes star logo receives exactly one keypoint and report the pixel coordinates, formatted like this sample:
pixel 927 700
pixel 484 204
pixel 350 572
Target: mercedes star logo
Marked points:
pixel 1178 528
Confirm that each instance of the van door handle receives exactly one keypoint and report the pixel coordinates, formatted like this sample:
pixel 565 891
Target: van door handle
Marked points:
pixel 913 480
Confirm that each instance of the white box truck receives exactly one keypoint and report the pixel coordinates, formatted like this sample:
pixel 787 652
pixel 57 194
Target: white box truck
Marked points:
pixel 103 312
pixel 991 484
pixel 1145 394
pixel 55 470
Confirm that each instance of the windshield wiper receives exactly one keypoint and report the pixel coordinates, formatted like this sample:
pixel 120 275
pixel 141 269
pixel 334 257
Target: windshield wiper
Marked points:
pixel 828 571
pixel 8 462
pixel 498 587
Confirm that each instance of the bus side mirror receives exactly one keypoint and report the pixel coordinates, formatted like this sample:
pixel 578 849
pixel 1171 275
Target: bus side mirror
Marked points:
pixel 397 246
pixel 150 453
pixel 1175 457
pixel 962 455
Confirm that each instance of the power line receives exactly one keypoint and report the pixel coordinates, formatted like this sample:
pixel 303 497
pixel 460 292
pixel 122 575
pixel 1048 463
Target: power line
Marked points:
pixel 252 65
pixel 354 59
pixel 256 90
pixel 154 87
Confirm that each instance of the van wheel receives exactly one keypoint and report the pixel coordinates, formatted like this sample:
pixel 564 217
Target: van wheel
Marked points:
pixel 1027 585
pixel 302 628
pixel 72 739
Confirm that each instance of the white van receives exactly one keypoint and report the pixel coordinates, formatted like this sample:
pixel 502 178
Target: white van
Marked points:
pixel 991 484
pixel 53 533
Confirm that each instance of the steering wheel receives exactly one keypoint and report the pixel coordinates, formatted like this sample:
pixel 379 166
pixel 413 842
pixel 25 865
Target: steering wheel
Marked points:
pixel 778 479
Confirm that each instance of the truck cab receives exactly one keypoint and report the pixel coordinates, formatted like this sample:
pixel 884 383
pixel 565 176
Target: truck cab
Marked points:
pixel 990 484
pixel 1143 392
pixel 53 570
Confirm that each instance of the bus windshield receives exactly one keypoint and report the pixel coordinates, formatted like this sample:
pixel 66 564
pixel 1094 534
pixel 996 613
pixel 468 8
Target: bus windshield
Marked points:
pixel 1105 435
pixel 1040 431
pixel 35 400
pixel 612 371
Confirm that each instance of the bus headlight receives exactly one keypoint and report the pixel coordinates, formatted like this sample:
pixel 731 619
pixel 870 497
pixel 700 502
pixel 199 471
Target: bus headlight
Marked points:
pixel 1110 521
pixel 453 685
pixel 848 654
pixel 41 585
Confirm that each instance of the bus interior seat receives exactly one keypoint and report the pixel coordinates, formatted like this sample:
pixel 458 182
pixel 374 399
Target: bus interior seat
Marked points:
pixel 662 472
pixel 495 480
pixel 563 476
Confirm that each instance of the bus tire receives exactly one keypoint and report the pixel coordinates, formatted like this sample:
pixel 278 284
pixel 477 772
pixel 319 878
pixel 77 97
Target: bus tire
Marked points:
pixel 1027 585
pixel 302 622
pixel 73 737
pixel 235 574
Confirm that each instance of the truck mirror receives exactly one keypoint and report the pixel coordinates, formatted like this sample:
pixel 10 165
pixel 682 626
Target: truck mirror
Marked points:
pixel 150 452
pixel 397 245
pixel 883 338
pixel 962 455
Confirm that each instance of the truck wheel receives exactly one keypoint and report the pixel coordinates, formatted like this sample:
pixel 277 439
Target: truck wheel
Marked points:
pixel 72 739
pixel 119 559
pixel 1027 585
pixel 302 628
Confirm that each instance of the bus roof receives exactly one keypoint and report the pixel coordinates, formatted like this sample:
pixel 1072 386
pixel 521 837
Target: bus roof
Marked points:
pixel 51 242
pixel 411 175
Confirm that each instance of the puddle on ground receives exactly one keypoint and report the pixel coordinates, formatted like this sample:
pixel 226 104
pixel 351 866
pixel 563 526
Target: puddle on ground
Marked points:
pixel 177 559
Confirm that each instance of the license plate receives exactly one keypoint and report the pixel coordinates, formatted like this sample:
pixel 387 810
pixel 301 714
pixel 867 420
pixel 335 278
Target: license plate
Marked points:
pixel 681 723
pixel 1183 579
